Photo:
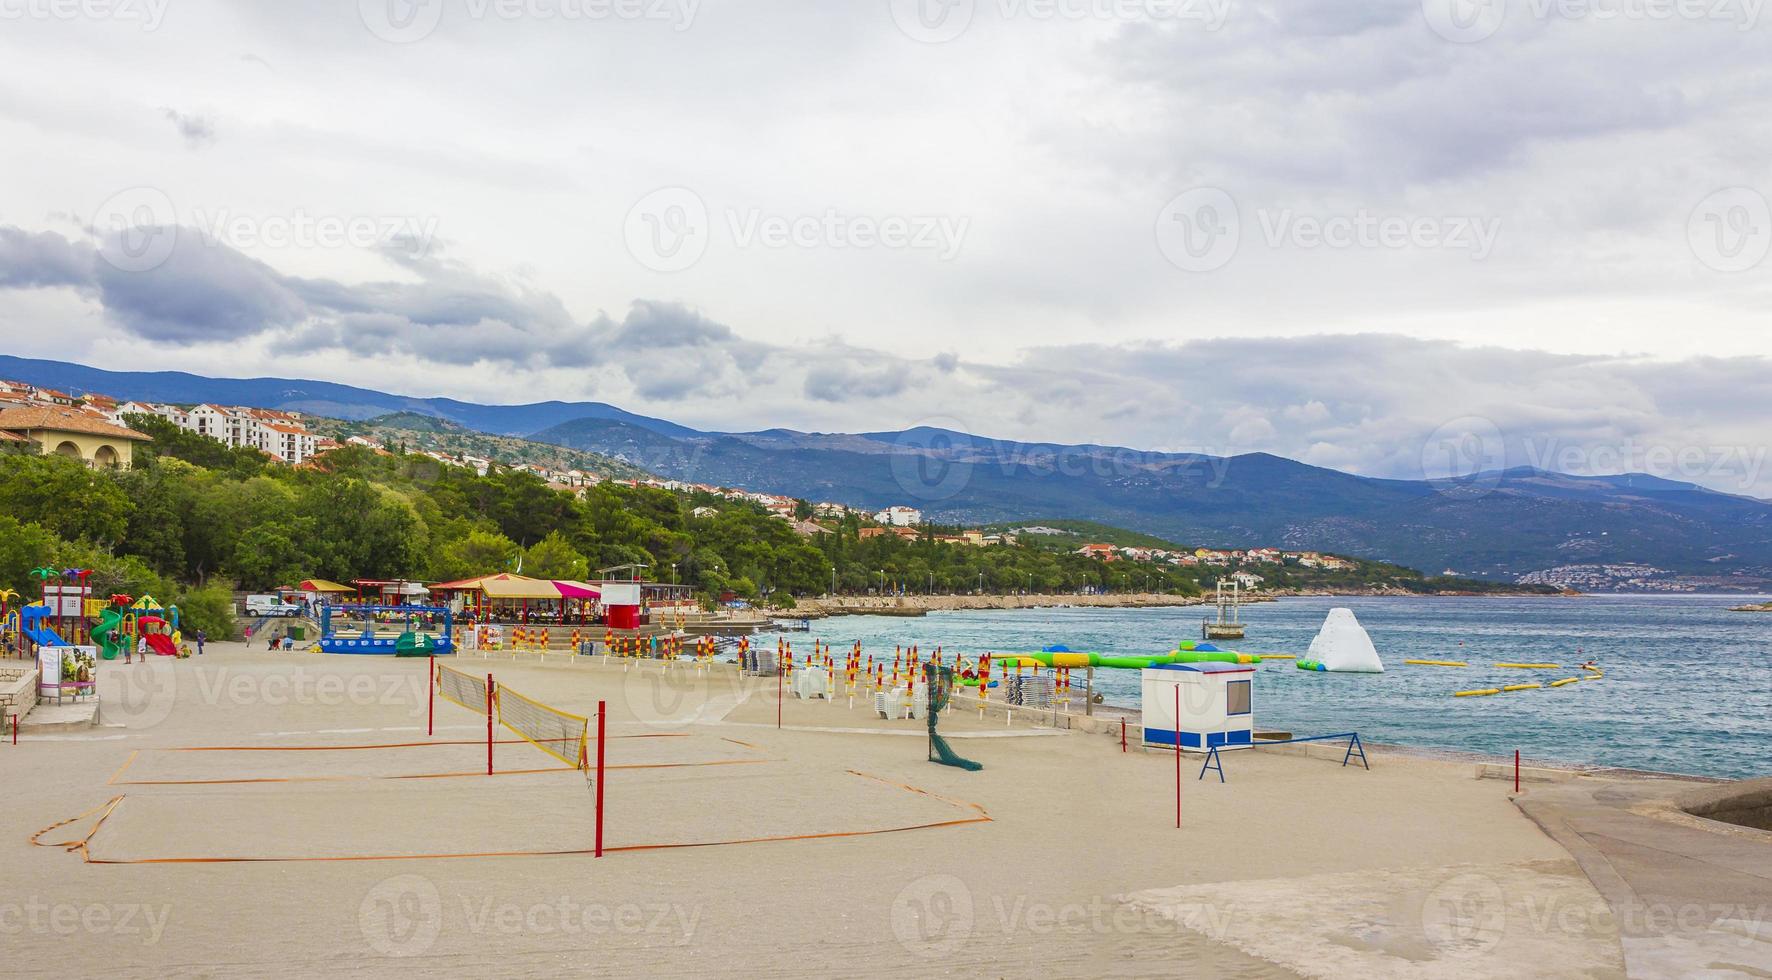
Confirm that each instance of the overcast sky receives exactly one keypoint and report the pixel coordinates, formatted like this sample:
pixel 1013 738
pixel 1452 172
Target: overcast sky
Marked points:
pixel 1393 236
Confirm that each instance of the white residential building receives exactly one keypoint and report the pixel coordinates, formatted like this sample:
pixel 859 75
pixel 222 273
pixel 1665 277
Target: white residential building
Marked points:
pixel 899 516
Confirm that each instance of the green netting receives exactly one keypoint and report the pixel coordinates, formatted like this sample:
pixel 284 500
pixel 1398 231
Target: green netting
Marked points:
pixel 940 681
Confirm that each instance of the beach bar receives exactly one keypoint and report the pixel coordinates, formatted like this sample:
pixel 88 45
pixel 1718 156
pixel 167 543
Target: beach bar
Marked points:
pixel 1202 705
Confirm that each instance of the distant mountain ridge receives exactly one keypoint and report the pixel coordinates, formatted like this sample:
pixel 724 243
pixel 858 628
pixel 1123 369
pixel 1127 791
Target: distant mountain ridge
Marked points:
pixel 314 397
pixel 1494 525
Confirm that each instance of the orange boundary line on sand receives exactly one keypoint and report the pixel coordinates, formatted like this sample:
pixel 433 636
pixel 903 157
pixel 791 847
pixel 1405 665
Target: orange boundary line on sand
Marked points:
pixel 83 844
pixel 386 745
pixel 425 775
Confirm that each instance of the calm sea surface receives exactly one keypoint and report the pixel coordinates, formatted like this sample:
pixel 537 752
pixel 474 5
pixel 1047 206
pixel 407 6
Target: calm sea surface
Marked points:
pixel 1688 684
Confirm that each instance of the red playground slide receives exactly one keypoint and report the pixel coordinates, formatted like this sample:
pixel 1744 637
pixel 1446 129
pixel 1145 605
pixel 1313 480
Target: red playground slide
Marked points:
pixel 161 644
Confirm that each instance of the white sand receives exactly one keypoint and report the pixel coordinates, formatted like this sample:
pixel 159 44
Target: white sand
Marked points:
pixel 1075 827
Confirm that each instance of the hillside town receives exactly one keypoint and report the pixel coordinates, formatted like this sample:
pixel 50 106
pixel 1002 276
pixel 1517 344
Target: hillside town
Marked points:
pixel 286 437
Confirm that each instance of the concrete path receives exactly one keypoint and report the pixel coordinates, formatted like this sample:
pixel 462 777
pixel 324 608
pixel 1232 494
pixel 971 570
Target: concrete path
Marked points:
pixel 1689 897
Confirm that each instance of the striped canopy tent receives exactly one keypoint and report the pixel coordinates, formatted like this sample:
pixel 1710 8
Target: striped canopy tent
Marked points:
pixel 521 599
pixel 323 587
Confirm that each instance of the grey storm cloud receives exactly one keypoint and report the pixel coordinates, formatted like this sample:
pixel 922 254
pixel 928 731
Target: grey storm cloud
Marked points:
pixel 32 261
pixel 198 131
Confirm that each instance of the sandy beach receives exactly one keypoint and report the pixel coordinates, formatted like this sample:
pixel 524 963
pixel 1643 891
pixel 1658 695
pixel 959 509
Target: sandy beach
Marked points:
pixel 833 846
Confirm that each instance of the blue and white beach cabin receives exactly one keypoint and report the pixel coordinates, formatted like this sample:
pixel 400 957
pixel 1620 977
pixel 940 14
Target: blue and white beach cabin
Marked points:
pixel 1217 705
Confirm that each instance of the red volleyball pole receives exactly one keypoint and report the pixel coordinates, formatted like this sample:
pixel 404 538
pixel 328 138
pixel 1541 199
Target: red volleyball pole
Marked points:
pixel 489 696
pixel 1516 772
pixel 602 712
pixel 431 699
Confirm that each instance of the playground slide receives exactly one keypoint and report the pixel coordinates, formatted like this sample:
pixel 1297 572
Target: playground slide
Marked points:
pixel 104 635
pixel 35 631
pixel 161 644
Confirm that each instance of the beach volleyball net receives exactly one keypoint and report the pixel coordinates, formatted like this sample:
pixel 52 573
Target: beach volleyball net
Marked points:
pixel 561 734
pixel 940 682
pixel 462 689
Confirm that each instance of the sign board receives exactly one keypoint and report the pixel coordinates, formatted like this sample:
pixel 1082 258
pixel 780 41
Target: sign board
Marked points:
pixel 620 593
pixel 49 664
pixel 65 601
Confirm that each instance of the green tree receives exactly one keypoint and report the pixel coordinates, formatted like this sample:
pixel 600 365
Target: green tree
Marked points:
pixel 553 557
pixel 480 552
pixel 64 496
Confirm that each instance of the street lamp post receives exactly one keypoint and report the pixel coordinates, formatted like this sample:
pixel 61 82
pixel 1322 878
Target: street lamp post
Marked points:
pixel 833 580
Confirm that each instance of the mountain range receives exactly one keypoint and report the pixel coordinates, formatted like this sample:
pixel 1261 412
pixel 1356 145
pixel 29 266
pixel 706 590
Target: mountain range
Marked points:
pixel 1630 529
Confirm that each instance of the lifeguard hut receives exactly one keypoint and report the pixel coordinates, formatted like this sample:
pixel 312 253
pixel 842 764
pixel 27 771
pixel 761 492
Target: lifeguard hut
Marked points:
pixel 1201 705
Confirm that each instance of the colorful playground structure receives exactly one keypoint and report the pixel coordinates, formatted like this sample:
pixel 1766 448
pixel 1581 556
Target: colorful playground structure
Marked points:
pixel 127 621
pixel 68 615
pixel 387 630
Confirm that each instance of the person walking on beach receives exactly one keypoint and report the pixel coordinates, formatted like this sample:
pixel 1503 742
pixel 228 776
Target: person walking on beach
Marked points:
pixel 141 648
pixel 202 637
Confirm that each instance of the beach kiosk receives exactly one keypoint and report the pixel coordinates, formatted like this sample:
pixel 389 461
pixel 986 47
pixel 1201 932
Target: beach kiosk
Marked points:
pixel 1217 705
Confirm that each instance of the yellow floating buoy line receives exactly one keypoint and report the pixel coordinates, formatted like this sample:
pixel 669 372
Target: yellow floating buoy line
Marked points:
pixel 1522 687
pixel 1479 692
pixel 1438 663
pixel 1566 680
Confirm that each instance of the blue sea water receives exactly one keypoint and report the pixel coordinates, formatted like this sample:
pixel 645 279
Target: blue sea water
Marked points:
pixel 1688 684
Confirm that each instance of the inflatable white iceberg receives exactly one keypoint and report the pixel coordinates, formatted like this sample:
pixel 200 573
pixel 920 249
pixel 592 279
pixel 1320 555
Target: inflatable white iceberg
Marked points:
pixel 1342 645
